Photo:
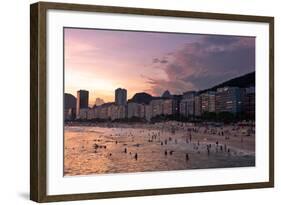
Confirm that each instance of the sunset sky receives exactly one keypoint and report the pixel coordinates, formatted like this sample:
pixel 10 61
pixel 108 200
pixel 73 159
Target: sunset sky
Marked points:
pixel 102 60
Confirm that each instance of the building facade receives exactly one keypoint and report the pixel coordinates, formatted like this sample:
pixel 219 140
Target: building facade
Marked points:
pixel 156 107
pixel 120 96
pixel 148 112
pixel 249 102
pixel 136 110
pixel 228 99
pixel 208 102
pixel 197 106
pixel 187 104
pixel 82 102
pixel 83 114
pixel 169 107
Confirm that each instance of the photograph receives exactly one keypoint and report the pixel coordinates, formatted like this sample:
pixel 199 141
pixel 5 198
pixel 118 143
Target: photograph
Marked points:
pixel 129 101
pixel 149 101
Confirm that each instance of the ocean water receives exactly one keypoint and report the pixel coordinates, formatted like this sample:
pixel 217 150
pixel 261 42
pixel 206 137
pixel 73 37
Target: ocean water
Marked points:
pixel 94 150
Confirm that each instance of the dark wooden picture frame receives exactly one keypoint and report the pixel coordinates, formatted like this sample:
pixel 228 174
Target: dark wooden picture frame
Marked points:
pixel 38 101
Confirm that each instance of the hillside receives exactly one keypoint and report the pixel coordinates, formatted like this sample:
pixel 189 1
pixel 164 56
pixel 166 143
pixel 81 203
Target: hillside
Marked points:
pixel 243 81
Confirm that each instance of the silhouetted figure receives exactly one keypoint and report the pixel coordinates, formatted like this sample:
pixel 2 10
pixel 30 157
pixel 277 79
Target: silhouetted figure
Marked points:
pixel 125 150
pixel 136 156
pixel 171 152
pixel 186 157
pixel 166 152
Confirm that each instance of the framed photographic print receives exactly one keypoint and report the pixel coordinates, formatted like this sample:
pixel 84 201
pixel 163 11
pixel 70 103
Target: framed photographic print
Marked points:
pixel 134 102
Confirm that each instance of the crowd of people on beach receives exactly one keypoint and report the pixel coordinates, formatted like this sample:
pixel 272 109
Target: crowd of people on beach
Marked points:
pixel 167 143
pixel 155 136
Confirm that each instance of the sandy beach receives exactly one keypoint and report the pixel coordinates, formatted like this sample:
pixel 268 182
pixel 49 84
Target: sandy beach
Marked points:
pixel 121 148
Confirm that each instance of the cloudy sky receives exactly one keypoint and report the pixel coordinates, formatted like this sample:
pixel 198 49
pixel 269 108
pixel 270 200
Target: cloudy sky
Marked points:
pixel 102 60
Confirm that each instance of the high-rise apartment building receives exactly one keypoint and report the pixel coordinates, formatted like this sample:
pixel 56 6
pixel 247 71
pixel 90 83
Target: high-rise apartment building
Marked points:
pixel 82 101
pixel 187 104
pixel 228 99
pixel 208 101
pixel 120 96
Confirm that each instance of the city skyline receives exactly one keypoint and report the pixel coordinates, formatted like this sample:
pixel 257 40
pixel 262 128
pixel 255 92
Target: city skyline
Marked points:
pixel 102 60
pixel 99 101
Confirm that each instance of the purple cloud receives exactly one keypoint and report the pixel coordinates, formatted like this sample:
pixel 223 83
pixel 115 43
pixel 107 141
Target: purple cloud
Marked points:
pixel 205 63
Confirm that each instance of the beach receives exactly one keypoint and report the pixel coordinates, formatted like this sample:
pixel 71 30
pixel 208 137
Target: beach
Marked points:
pixel 102 148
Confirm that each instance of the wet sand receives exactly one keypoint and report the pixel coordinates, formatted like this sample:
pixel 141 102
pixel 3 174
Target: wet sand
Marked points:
pixel 119 148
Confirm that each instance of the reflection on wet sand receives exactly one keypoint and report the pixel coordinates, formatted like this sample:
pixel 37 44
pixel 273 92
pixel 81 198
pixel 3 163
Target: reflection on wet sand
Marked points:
pixel 159 147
